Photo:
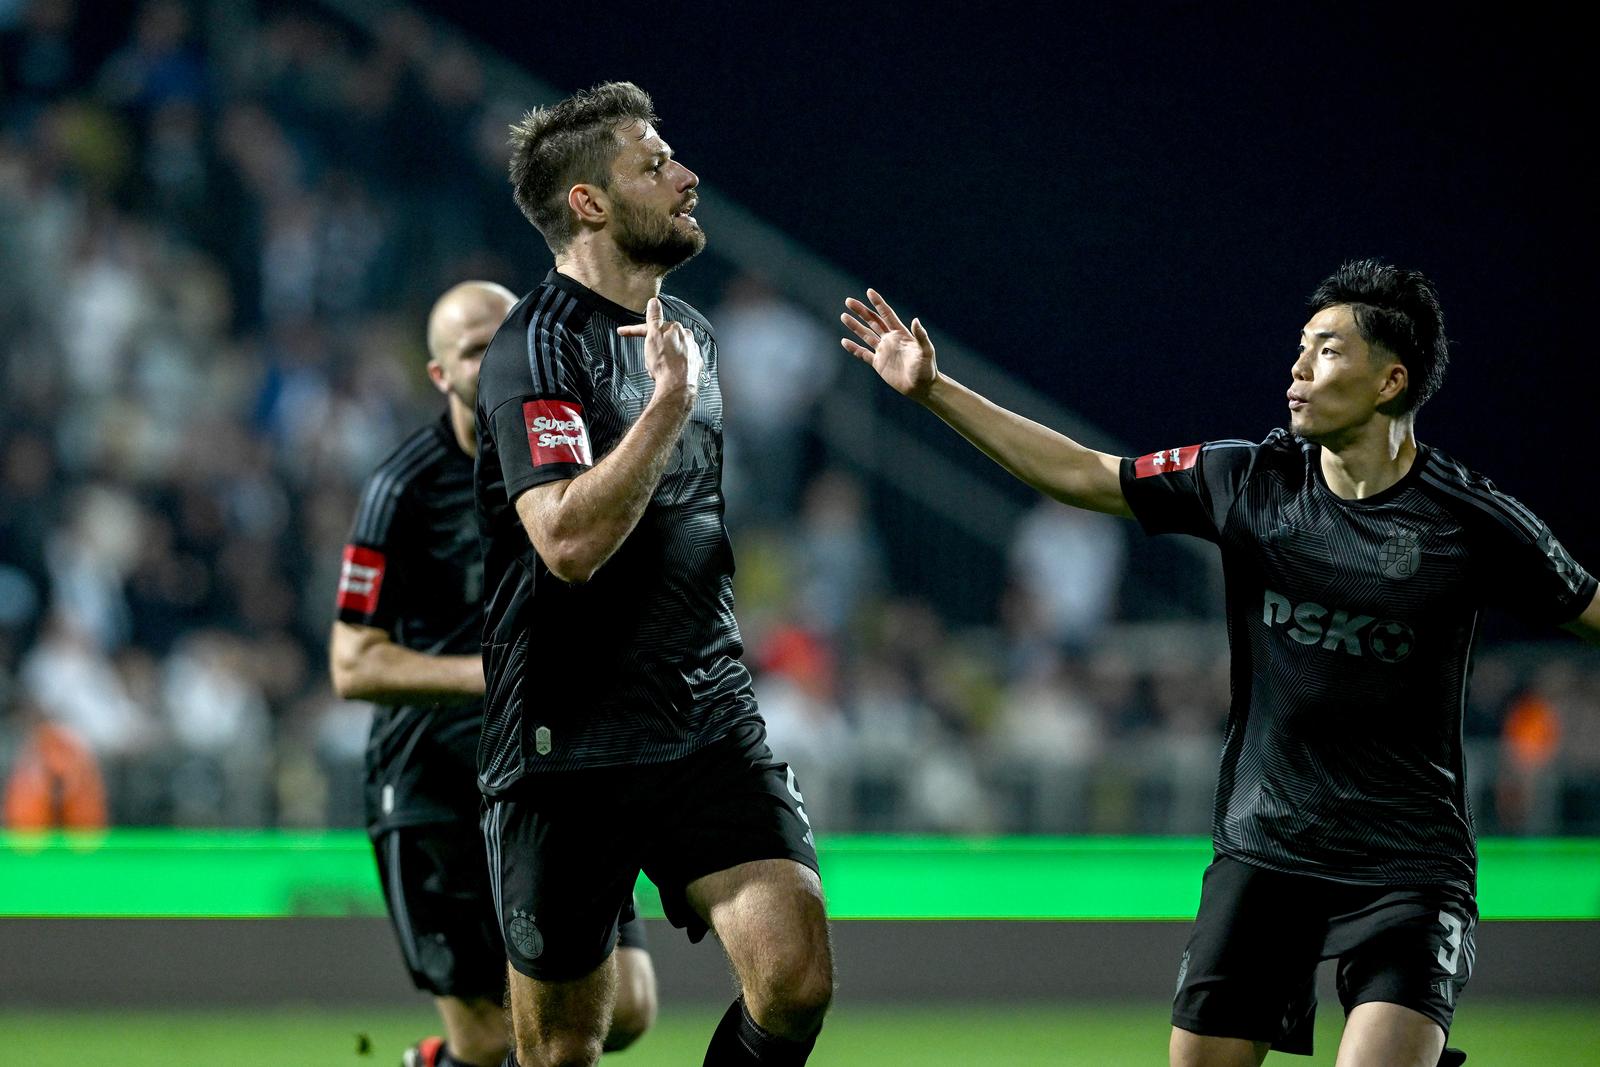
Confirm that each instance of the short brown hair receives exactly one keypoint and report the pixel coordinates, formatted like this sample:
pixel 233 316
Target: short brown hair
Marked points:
pixel 554 148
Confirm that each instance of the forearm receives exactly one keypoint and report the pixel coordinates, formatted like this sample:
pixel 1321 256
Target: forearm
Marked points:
pixel 597 510
pixel 386 673
pixel 1048 461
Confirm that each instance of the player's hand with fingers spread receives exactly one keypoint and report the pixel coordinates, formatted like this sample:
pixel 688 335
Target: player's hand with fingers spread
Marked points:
pixel 902 355
pixel 671 354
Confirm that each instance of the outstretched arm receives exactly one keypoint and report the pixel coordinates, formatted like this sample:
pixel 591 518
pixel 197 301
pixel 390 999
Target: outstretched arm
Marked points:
pixel 1052 463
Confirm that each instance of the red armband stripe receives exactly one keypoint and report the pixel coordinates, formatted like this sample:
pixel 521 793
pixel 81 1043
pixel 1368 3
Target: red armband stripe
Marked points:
pixel 1167 461
pixel 360 578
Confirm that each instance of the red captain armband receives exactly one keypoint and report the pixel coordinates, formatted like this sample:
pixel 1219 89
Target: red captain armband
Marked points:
pixel 360 578
pixel 1172 459
pixel 556 432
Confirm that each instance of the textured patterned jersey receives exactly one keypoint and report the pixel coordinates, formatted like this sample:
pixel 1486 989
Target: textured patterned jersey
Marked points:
pixel 641 663
pixel 1351 624
pixel 412 568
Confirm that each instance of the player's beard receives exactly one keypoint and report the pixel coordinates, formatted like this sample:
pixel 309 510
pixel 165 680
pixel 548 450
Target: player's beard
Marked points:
pixel 652 240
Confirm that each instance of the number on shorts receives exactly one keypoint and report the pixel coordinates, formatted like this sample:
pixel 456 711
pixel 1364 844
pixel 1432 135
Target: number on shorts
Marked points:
pixel 1452 941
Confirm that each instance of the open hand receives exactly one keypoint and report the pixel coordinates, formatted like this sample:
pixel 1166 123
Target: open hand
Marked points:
pixel 902 356
pixel 671 354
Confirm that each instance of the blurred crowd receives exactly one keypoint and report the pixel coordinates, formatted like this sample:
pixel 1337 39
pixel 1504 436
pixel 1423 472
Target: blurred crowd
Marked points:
pixel 220 230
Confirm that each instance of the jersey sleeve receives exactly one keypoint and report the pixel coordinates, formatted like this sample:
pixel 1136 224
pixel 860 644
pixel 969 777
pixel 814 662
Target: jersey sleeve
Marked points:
pixel 1529 572
pixel 369 582
pixel 536 411
pixel 1187 490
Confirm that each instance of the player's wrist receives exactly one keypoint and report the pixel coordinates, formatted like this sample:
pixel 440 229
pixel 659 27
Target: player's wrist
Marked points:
pixel 674 396
pixel 935 394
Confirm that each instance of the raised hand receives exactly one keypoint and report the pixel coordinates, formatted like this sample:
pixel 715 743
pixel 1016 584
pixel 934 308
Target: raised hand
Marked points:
pixel 671 354
pixel 902 356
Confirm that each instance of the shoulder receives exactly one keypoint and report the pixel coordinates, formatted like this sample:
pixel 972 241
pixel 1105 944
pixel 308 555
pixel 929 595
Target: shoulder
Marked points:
pixel 551 314
pixel 547 315
pixel 541 336
pixel 394 478
pixel 1280 450
pixel 1282 446
pixel 681 310
pixel 1474 499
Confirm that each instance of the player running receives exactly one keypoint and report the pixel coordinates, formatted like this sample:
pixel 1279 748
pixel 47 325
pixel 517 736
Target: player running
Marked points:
pixel 1357 562
pixel 410 614
pixel 621 732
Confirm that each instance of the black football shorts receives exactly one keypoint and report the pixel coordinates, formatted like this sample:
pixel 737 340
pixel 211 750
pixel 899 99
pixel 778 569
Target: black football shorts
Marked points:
pixel 566 847
pixel 1249 969
pixel 436 884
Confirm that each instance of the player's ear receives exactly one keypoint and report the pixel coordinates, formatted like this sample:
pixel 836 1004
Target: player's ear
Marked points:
pixel 589 203
pixel 1395 381
pixel 436 376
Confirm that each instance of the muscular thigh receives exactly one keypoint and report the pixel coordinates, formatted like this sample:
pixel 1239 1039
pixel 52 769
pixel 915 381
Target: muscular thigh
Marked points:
pixel 768 915
pixel 731 807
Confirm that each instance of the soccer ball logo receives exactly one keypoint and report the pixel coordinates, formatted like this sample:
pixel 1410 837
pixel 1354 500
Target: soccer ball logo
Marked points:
pixel 1400 555
pixel 524 935
pixel 1391 641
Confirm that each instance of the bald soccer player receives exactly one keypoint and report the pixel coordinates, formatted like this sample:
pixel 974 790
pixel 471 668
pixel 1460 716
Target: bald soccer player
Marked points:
pixel 410 619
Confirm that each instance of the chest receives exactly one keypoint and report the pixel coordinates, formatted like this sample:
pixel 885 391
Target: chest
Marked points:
pixel 622 387
pixel 446 556
pixel 1404 559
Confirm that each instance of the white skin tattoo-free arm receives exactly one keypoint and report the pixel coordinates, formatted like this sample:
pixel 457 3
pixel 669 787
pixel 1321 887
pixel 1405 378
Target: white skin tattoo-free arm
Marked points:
pixel 1050 462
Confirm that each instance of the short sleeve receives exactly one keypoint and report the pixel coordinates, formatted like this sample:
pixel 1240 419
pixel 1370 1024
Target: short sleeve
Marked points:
pixel 369 585
pixel 536 403
pixel 1529 572
pixel 1188 490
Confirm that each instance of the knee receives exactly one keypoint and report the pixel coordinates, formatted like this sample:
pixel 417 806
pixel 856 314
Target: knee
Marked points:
pixel 793 999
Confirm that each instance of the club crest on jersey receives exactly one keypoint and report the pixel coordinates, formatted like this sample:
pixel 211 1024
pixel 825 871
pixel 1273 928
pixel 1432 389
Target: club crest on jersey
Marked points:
pixel 556 432
pixel 1166 461
pixel 1400 556
pixel 360 578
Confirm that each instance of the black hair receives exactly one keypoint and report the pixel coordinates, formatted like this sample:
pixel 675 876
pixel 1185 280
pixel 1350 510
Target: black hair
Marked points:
pixel 1397 310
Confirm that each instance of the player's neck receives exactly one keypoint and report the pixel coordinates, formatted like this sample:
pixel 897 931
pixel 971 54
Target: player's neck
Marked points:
pixel 597 263
pixel 463 426
pixel 1371 459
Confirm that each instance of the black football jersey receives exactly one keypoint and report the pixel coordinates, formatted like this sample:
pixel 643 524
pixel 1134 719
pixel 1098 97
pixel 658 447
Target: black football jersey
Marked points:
pixel 640 664
pixel 413 568
pixel 1351 625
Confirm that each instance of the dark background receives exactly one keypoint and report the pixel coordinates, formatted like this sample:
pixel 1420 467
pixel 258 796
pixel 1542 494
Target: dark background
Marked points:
pixel 1128 207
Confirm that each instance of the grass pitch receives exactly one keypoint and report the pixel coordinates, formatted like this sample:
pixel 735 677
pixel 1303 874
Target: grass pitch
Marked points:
pixel 952 1035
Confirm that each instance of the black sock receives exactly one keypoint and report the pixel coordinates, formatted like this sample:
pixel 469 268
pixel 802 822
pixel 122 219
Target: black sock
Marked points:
pixel 740 1042
pixel 510 1060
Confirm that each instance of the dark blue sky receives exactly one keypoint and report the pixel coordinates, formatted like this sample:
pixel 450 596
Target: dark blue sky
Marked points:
pixel 1129 208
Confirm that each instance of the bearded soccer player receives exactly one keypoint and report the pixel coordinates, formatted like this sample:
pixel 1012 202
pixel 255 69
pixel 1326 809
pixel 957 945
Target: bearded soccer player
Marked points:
pixel 621 732
pixel 410 616
pixel 1357 563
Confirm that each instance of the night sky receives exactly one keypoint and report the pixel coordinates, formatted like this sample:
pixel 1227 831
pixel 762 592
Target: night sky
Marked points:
pixel 1129 208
